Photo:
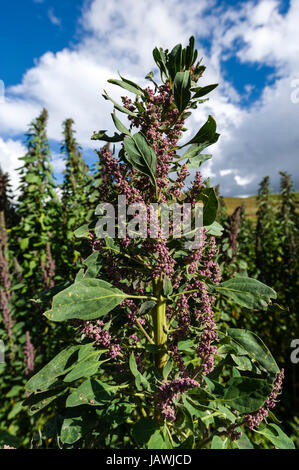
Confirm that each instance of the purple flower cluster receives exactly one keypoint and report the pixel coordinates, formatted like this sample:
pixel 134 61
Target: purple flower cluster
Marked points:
pixel 5 285
pixel 165 262
pixel 101 336
pixel 158 117
pixel 29 354
pixel 253 420
pixel 48 269
pixel 170 391
pixel 211 269
pixel 206 350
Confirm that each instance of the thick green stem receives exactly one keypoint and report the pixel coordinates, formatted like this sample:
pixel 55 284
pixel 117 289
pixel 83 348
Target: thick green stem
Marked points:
pixel 160 328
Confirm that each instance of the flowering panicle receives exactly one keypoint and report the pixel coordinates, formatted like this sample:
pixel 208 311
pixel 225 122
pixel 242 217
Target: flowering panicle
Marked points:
pixel 29 354
pixel 253 420
pixel 101 337
pixel 48 269
pixel 170 391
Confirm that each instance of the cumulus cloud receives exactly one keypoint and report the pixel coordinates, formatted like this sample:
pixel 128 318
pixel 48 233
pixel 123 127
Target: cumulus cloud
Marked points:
pixel 256 141
pixel 10 152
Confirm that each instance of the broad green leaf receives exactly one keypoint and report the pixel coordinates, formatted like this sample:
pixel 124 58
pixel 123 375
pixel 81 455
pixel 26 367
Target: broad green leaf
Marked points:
pixel 73 428
pixel 215 229
pixel 181 90
pixel 201 91
pixel 39 401
pixel 196 161
pixel 276 436
pixel 246 394
pixel 83 231
pixel 127 85
pixel 157 441
pixel 87 367
pixel 174 61
pixel 206 134
pixel 47 376
pixel 243 442
pixel 8 439
pixel 141 155
pixel 101 135
pixel 256 349
pixel 92 392
pixel 190 57
pixel 119 125
pixel 210 202
pixel 159 58
pixel 86 300
pixel 30 178
pixel 218 443
pixel 140 381
pixel 144 429
pixel 247 292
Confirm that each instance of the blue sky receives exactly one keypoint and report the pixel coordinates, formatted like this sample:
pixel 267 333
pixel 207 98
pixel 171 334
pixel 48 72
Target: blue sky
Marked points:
pixel 60 53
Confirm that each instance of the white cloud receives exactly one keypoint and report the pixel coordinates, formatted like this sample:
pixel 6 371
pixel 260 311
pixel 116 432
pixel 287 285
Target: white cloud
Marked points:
pixel 10 152
pixel 53 18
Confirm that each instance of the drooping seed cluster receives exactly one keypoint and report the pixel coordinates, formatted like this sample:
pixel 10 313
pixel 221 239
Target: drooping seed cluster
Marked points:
pixel 29 354
pixel 96 332
pixel 170 391
pixel 48 269
pixel 254 420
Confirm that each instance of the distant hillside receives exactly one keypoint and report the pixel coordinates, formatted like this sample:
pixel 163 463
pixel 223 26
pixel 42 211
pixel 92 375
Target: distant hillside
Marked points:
pixel 250 204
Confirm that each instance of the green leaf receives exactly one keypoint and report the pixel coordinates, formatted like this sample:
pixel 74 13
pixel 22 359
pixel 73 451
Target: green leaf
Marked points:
pixel 174 61
pixel 140 381
pixel 30 178
pixel 39 401
pixel 127 85
pixel 86 299
pixel 146 307
pixel 101 135
pixel 181 90
pixel 247 292
pixel 215 229
pixel 201 91
pixel 144 429
pixel 210 201
pixel 157 441
pixel 24 243
pixel 196 162
pixel 73 428
pixel 256 349
pixel 119 125
pixel 246 394
pixel 206 134
pixel 8 439
pixel 56 367
pixel 141 155
pixel 83 231
pixel 276 436
pixel 86 367
pixel 92 392
pixel 120 108
pixel 159 58
pixel 218 443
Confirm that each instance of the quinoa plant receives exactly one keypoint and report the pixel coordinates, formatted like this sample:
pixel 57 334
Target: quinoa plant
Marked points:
pixel 149 367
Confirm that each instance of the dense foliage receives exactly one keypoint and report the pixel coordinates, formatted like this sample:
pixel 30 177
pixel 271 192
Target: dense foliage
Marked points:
pixel 139 341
